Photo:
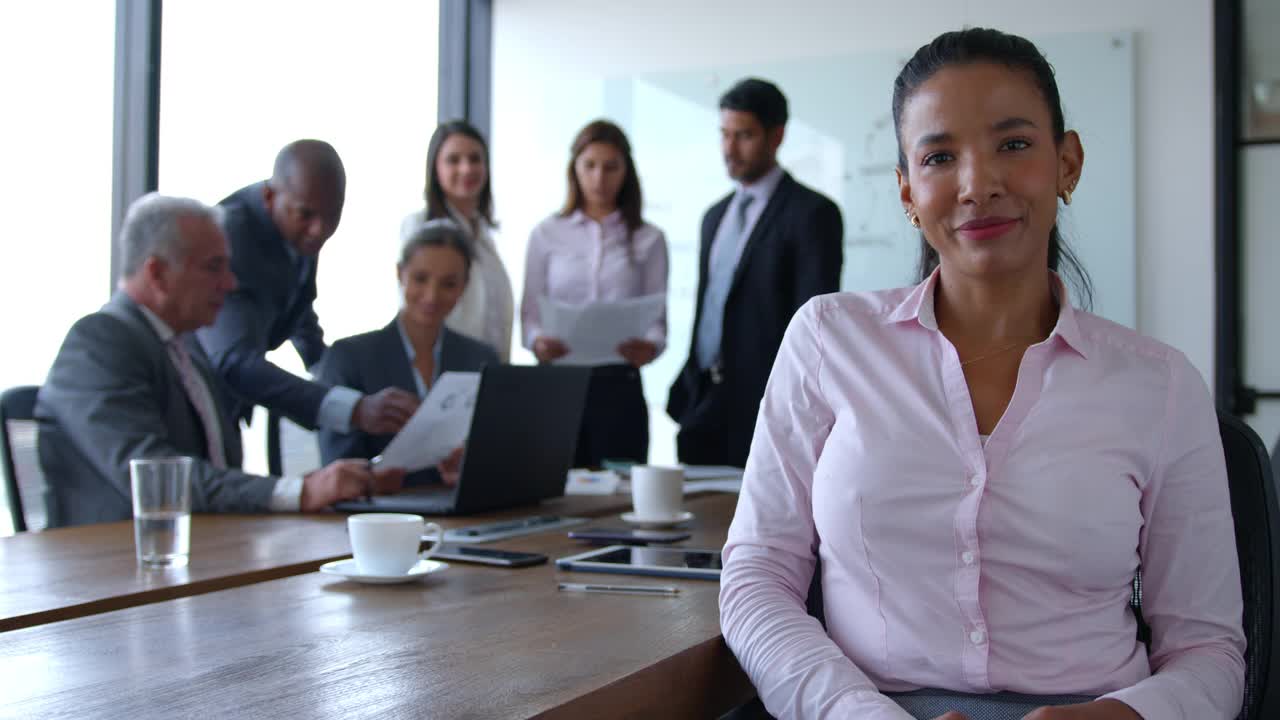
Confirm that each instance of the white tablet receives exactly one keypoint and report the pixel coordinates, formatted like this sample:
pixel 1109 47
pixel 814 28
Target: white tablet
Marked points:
pixel 664 561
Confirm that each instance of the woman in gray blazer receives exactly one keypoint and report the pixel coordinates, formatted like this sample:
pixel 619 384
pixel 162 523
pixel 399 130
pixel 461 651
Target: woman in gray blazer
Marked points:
pixel 411 351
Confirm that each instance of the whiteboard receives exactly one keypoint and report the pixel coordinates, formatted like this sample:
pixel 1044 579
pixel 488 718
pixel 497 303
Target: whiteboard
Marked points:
pixel 840 141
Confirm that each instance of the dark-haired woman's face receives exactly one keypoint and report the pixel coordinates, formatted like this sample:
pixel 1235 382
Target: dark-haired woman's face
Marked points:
pixel 431 283
pixel 461 168
pixel 601 169
pixel 983 170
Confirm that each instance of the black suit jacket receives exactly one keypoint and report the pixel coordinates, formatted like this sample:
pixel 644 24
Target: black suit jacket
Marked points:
pixel 272 303
pixel 794 252
pixel 376 360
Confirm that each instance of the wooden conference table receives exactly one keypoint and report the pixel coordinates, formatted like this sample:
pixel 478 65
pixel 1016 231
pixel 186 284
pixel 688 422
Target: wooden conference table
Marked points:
pixel 71 572
pixel 469 642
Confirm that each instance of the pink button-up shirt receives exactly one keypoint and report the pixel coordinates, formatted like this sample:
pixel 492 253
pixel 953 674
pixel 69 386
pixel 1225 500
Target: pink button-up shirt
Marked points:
pixel 950 564
pixel 577 260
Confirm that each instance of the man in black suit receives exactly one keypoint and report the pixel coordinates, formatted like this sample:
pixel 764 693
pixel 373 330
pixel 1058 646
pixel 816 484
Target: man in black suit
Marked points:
pixel 766 249
pixel 276 229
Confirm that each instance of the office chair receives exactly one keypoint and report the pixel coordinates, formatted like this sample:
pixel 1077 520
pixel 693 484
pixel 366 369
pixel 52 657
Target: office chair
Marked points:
pixel 1257 523
pixel 275 461
pixel 290 447
pixel 1254 508
pixel 18 404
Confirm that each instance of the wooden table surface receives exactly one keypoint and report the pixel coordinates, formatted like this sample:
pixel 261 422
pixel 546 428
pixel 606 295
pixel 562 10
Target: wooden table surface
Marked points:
pixel 72 572
pixel 468 642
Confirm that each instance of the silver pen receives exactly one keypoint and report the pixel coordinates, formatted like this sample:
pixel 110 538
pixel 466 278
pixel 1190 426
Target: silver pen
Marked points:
pixel 625 589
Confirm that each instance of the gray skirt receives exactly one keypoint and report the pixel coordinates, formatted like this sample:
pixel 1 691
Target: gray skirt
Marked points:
pixel 929 704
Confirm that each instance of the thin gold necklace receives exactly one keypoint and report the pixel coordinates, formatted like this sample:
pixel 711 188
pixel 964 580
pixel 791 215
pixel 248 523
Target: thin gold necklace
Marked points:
pixel 993 353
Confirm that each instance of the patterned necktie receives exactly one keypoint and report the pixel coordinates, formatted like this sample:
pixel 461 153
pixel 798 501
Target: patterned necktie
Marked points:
pixel 722 264
pixel 201 400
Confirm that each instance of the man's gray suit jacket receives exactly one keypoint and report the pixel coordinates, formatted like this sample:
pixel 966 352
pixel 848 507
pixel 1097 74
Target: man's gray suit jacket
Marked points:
pixel 113 394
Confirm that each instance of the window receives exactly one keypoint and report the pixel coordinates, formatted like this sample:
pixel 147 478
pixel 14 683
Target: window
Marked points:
pixel 240 79
pixel 57 145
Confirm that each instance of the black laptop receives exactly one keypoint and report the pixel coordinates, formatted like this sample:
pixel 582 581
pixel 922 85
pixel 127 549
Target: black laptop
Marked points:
pixel 524 432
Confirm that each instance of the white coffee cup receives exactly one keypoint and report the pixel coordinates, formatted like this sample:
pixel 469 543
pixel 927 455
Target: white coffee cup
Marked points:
pixel 657 492
pixel 387 543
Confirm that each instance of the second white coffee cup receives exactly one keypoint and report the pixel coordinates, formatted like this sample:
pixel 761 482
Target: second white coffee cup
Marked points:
pixel 387 543
pixel 657 492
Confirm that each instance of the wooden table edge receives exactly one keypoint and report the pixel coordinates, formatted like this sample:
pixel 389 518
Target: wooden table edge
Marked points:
pixel 702 681
pixel 172 592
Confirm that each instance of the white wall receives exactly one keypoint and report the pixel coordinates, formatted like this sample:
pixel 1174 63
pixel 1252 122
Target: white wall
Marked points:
pixel 552 59
pixel 545 51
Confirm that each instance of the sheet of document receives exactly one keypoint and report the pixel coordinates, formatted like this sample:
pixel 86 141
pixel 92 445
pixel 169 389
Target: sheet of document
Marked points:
pixel 438 427
pixel 591 482
pixel 594 331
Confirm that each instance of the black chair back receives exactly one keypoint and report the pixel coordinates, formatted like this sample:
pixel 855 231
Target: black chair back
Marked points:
pixel 1257 524
pixel 16 404
pixel 275 456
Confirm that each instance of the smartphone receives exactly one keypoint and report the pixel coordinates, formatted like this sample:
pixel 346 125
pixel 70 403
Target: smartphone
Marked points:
pixel 487 556
pixel 628 536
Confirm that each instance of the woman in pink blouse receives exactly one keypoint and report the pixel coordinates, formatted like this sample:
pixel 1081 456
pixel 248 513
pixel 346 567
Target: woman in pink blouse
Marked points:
pixel 599 248
pixel 980 466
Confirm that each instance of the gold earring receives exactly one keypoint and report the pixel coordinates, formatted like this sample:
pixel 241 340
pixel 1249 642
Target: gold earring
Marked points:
pixel 915 221
pixel 1066 197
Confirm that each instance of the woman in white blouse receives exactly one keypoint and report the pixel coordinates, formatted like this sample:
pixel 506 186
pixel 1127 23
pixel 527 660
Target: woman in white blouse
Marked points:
pixel 458 188
pixel 599 248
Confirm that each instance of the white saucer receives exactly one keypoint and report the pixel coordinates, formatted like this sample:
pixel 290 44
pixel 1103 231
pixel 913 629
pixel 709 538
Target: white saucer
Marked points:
pixel 347 569
pixel 631 517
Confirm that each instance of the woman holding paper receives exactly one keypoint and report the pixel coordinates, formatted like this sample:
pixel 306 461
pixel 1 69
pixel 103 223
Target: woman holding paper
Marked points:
pixel 598 248
pixel 415 348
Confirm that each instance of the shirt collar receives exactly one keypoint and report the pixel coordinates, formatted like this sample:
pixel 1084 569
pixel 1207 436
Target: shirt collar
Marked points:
pixel 918 306
pixel 408 345
pixel 471 225
pixel 762 189
pixel 578 217
pixel 162 328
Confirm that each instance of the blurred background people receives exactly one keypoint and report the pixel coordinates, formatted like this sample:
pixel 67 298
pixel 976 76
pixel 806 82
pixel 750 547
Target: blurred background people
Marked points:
pixel 414 348
pixel 458 188
pixel 596 248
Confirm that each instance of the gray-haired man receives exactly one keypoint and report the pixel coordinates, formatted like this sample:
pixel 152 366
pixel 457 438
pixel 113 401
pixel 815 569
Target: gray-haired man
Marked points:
pixel 130 381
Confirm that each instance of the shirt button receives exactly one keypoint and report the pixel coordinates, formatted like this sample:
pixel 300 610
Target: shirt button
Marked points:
pixel 967 557
pixel 975 480
pixel 977 636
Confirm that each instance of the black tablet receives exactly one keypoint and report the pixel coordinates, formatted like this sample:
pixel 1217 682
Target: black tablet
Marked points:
pixel 663 561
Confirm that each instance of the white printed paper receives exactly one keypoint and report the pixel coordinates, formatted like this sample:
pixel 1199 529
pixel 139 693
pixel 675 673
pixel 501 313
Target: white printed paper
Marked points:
pixel 591 482
pixel 438 427
pixel 711 472
pixel 594 331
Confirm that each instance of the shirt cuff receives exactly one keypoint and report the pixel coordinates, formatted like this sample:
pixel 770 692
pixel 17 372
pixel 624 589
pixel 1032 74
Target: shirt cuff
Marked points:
pixel 531 333
pixel 658 337
pixel 336 409
pixel 1144 702
pixel 869 706
pixel 286 496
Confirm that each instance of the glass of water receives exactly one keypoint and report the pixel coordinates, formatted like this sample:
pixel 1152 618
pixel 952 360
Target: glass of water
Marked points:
pixel 162 510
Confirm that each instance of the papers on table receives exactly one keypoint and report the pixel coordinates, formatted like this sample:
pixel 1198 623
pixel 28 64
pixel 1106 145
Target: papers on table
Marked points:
pixel 711 472
pixel 729 485
pixel 438 427
pixel 591 482
pixel 594 331
pixel 712 478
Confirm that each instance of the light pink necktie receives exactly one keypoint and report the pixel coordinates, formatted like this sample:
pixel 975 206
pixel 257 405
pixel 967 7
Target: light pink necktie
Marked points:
pixel 208 415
